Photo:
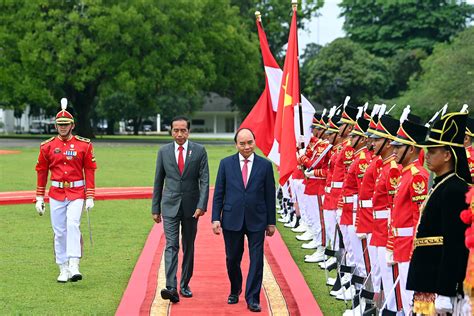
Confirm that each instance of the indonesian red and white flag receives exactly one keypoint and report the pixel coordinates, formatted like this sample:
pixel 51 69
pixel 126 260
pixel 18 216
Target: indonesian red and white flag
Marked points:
pixel 261 119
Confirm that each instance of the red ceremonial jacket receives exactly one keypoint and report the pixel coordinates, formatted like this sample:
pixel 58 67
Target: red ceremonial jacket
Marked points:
pixel 385 187
pixel 328 204
pixel 352 183
pixel 341 165
pixel 68 161
pixel 365 217
pixel 315 186
pixel 470 160
pixel 411 194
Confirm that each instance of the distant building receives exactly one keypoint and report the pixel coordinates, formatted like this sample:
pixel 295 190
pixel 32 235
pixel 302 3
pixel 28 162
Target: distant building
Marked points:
pixel 216 116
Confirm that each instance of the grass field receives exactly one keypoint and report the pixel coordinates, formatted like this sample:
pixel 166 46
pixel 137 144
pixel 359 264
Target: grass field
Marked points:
pixel 120 228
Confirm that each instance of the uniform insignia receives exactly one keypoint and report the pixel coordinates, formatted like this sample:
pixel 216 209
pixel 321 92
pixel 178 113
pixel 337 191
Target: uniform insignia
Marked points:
pixel 72 145
pixel 320 149
pixel 419 187
pixel 57 150
pixel 414 170
pixel 47 141
pixel 349 154
pixel 363 167
pixel 82 139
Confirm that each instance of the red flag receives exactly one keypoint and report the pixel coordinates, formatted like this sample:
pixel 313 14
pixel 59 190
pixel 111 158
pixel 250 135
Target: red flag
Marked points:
pixel 261 120
pixel 289 98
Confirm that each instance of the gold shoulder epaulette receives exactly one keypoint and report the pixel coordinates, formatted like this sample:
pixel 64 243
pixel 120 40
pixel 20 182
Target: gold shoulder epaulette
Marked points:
pixel 82 139
pixel 362 155
pixel 47 141
pixel 414 170
pixel 393 164
pixel 468 154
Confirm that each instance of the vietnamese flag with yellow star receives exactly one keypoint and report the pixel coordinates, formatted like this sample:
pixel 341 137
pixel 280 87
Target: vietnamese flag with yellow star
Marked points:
pixel 288 100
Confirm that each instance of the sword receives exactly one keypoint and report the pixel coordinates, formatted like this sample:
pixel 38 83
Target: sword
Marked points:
pixel 320 157
pixel 89 225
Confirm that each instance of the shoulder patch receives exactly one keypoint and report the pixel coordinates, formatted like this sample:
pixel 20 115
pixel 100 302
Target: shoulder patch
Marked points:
pixel 82 139
pixel 47 141
pixel 414 170
pixel 393 164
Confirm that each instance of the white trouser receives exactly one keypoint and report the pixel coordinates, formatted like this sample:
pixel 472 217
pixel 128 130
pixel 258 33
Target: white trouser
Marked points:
pixel 312 219
pixel 347 244
pixel 361 257
pixel 332 236
pixel 66 220
pixel 407 295
pixel 388 279
pixel 297 188
pixel 374 265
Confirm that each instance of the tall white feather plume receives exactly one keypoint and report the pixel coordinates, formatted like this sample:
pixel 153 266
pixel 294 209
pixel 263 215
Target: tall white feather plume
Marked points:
pixel 383 107
pixel 366 105
pixel 338 112
pixel 444 109
pixel 464 108
pixel 360 111
pixel 375 110
pixel 432 119
pixel 63 103
pixel 332 111
pixel 346 101
pixel 324 113
pixel 405 113
pixel 393 106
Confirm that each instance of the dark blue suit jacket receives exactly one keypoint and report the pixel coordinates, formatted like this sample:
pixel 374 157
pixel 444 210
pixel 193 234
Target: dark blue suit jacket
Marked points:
pixel 233 202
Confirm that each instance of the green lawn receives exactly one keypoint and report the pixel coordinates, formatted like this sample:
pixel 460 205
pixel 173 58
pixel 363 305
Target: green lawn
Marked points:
pixel 120 228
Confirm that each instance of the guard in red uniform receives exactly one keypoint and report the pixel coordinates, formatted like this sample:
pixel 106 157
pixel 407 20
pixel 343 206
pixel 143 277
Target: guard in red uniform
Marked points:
pixel 385 188
pixel 410 195
pixel 468 145
pixel 71 161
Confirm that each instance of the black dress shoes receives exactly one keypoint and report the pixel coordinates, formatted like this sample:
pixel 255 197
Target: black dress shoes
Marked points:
pixel 254 307
pixel 170 294
pixel 233 298
pixel 186 292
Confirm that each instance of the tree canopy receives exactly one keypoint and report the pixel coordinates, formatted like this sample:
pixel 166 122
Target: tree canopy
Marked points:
pixel 150 52
pixel 384 27
pixel 344 67
pixel 447 77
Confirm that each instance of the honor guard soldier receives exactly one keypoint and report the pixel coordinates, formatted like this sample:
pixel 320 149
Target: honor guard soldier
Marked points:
pixel 410 195
pixel 468 145
pixel 438 264
pixel 385 188
pixel 71 161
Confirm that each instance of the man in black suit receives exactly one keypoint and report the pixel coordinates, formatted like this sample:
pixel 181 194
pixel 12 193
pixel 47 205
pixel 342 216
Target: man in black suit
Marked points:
pixel 244 204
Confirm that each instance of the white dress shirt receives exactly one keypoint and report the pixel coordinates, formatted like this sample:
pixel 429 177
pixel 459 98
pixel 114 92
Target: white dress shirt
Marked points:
pixel 249 164
pixel 185 150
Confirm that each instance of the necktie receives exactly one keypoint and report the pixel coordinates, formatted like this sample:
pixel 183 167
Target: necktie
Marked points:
pixel 180 160
pixel 245 171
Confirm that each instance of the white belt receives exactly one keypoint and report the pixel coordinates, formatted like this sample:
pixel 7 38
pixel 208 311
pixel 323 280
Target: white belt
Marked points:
pixel 337 185
pixel 403 231
pixel 65 184
pixel 347 199
pixel 384 214
pixel 327 189
pixel 365 203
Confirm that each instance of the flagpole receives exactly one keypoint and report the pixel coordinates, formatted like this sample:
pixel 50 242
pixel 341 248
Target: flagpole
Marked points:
pixel 294 5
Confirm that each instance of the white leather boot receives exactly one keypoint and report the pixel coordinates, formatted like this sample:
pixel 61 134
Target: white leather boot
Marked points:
pixel 74 269
pixel 63 273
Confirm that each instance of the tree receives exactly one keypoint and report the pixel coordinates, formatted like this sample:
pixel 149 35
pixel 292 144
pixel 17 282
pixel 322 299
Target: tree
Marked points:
pixel 92 50
pixel 276 16
pixel 345 68
pixel 385 27
pixel 446 77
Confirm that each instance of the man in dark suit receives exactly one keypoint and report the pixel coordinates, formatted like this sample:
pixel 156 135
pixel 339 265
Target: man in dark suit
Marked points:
pixel 244 204
pixel 180 194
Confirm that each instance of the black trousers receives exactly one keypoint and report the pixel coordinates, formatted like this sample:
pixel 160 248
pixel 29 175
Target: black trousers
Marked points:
pixel 234 249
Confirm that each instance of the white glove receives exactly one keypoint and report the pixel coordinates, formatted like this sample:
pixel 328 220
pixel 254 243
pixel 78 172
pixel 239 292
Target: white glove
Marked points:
pixel 309 173
pixel 301 152
pixel 443 304
pixel 40 205
pixel 300 139
pixel 89 204
pixel 362 236
pixel 389 258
